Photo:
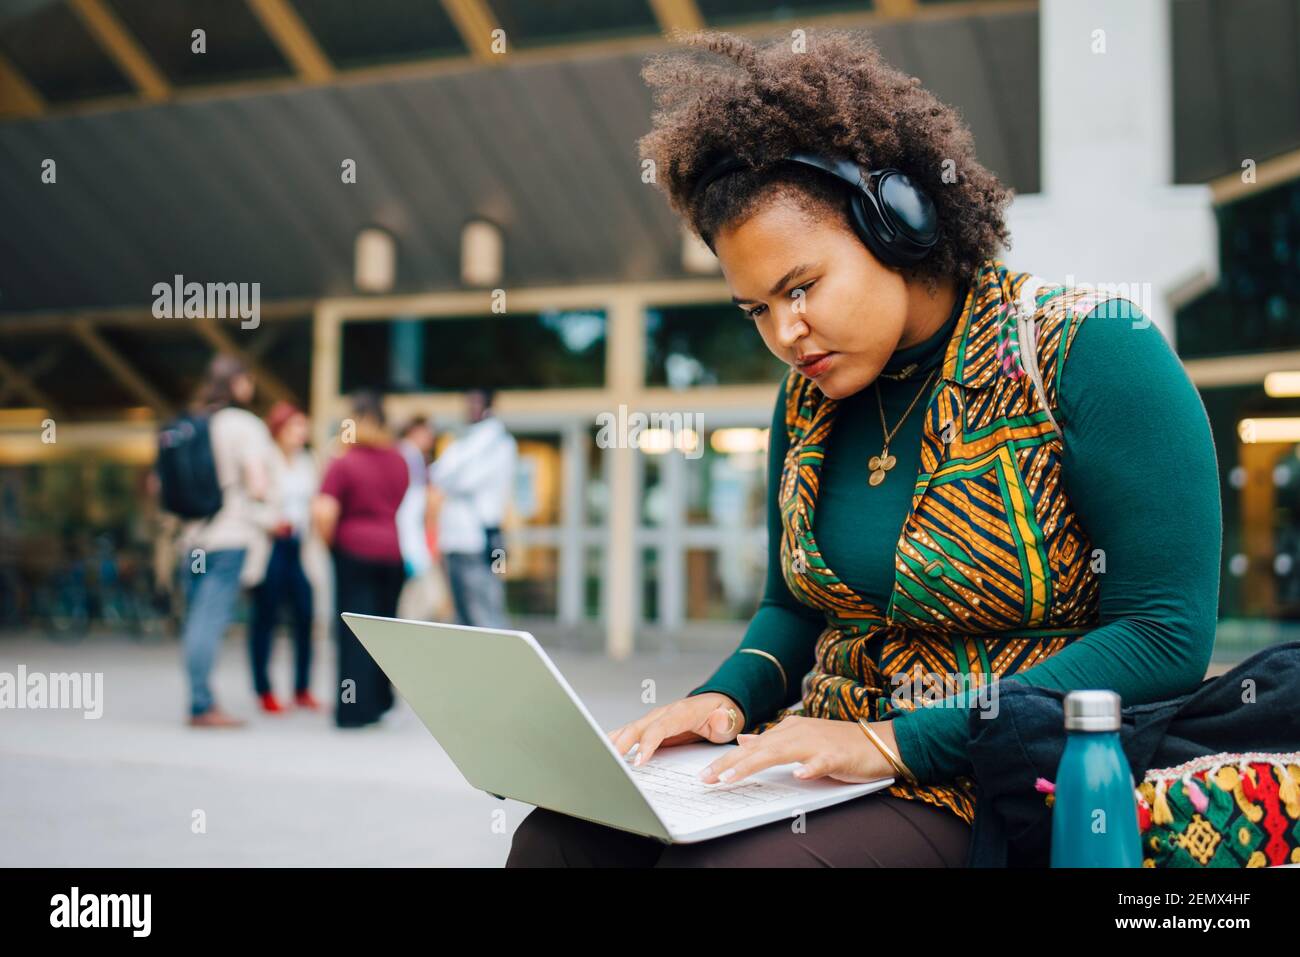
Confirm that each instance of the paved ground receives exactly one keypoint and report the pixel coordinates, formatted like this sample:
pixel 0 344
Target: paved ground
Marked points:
pixel 286 791
pixel 293 791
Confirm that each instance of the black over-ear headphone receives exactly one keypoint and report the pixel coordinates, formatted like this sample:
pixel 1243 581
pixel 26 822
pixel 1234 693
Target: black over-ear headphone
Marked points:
pixel 894 217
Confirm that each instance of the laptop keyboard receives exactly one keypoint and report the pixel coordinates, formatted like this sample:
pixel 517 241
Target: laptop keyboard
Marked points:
pixel 679 792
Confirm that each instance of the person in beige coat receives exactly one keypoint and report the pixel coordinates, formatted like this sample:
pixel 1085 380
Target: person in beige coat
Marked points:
pixel 229 550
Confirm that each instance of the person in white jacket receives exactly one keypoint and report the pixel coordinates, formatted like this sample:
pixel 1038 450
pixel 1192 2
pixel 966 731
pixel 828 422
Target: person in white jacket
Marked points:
pixel 474 477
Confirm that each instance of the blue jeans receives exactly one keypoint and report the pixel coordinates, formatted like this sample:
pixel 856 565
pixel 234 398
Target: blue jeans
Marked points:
pixel 478 593
pixel 210 599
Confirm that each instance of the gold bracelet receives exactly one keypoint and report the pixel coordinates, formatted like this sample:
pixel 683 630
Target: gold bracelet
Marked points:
pixel 785 685
pixel 900 768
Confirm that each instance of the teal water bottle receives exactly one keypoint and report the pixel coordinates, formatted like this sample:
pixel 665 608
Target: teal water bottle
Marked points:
pixel 1094 815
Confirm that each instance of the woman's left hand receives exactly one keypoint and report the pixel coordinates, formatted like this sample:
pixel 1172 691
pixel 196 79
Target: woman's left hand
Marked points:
pixel 835 749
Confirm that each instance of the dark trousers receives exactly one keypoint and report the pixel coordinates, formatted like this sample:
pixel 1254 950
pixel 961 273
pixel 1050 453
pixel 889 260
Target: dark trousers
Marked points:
pixel 284 582
pixel 367 588
pixel 877 830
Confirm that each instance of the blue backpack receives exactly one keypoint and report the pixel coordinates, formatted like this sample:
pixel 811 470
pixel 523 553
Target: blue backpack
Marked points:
pixel 186 468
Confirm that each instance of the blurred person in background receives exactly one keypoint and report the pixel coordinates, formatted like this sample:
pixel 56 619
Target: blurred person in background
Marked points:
pixel 425 595
pixel 356 516
pixel 229 549
pixel 415 443
pixel 472 480
pixel 296 477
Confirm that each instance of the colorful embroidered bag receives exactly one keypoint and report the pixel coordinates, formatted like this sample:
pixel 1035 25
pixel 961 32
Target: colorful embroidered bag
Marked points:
pixel 1219 770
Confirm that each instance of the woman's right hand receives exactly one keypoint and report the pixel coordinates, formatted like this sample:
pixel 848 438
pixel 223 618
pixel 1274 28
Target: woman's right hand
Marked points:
pixel 701 717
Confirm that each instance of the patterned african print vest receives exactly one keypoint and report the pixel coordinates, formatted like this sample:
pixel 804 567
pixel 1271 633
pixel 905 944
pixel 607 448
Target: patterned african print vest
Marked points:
pixel 993 570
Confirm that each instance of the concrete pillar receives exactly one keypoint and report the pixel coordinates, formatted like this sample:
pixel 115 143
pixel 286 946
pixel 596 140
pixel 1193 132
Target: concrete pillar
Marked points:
pixel 624 373
pixel 1108 214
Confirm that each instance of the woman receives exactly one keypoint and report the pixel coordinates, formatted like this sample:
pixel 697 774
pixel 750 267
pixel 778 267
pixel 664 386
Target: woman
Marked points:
pixel 295 475
pixel 931 531
pixel 356 516
pixel 227 550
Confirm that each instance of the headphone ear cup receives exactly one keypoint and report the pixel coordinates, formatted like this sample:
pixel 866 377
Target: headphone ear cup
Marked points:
pixel 864 216
pixel 909 222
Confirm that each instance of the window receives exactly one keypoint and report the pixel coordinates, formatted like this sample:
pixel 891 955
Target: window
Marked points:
pixel 531 583
pixel 1256 306
pixel 701 345
pixel 724 583
pixel 555 349
pixel 725 486
pixel 702 530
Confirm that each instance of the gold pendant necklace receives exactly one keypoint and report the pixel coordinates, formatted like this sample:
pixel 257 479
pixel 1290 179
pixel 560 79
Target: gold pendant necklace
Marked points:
pixel 882 463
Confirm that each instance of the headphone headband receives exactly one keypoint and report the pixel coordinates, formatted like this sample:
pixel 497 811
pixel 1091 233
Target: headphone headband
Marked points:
pixel 892 216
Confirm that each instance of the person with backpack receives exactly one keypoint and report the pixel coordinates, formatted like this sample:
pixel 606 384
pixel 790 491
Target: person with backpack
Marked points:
pixel 214 466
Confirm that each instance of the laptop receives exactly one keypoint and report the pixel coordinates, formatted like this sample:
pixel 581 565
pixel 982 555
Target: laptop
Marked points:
pixel 514 728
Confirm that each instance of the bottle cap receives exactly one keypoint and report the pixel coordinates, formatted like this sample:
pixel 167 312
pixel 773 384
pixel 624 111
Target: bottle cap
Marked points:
pixel 1092 711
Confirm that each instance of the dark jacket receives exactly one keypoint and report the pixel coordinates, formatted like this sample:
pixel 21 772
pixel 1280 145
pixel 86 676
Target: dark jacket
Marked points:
pixel 1253 707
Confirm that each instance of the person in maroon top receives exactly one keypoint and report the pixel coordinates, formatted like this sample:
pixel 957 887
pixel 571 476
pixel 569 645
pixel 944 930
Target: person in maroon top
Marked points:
pixel 356 515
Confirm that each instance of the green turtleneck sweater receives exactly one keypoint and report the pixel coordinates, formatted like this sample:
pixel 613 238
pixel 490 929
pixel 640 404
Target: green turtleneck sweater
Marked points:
pixel 1140 470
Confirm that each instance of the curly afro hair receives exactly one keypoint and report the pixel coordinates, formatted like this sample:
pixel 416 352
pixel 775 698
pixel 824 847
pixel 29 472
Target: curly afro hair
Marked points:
pixel 837 97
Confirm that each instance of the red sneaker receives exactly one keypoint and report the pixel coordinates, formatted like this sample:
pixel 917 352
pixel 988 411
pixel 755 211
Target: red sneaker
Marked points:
pixel 304 699
pixel 270 705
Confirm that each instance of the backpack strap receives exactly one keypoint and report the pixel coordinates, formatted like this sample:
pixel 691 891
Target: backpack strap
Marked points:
pixel 1027 316
pixel 1028 333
